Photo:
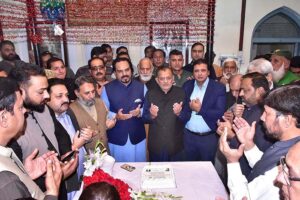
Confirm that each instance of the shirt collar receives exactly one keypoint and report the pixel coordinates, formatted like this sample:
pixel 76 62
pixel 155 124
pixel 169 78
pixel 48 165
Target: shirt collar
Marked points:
pixel 62 115
pixel 204 85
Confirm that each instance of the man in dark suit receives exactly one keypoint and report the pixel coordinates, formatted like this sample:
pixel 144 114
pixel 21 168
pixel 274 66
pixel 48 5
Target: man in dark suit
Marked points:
pixel 207 102
pixel 166 110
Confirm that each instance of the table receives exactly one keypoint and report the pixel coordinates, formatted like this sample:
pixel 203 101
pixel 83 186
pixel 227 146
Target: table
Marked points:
pixel 194 180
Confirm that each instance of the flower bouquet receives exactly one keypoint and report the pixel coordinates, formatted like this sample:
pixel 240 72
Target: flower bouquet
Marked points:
pixel 98 168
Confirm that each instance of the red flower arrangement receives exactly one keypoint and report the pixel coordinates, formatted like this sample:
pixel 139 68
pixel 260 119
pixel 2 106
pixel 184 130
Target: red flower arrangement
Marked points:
pixel 100 176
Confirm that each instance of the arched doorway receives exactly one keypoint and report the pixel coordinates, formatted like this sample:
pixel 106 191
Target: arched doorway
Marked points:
pixel 279 29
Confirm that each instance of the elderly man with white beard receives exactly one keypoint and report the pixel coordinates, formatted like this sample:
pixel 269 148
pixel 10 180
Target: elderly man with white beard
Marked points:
pixel 230 67
pixel 280 60
pixel 145 71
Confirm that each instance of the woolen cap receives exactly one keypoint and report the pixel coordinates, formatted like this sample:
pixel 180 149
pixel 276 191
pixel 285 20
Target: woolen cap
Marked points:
pixel 284 53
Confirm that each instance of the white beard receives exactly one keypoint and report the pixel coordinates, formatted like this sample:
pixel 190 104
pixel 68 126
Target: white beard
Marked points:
pixel 228 75
pixel 145 78
pixel 279 74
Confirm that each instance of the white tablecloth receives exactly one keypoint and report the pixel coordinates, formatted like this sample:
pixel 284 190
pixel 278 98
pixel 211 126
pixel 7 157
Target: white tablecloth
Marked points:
pixel 194 180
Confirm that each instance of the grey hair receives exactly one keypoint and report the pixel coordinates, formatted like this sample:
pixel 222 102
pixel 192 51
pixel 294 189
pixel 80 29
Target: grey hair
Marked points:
pixel 261 65
pixel 231 60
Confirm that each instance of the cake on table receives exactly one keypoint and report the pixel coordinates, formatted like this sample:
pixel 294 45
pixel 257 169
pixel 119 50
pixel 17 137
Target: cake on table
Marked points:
pixel 158 176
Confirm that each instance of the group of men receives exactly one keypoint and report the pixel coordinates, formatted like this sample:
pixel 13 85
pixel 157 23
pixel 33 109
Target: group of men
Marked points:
pixel 184 110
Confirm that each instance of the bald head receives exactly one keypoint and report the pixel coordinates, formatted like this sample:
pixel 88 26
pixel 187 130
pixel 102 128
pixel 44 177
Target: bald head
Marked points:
pixel 145 62
pixel 235 84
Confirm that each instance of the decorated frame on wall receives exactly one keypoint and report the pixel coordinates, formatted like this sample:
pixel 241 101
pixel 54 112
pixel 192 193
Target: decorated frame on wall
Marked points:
pixel 170 35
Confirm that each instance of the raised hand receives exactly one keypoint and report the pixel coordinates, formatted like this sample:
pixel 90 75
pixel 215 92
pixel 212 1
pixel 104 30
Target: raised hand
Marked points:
pixel 226 124
pixel 244 132
pixel 136 112
pixel 232 155
pixel 110 123
pixel 83 136
pixel 195 104
pixel 69 167
pixel 121 116
pixel 153 111
pixel 177 107
pixel 36 166
pixel 229 116
pixel 53 176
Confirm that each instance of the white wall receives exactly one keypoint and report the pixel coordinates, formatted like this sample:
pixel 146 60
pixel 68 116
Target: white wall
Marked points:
pixel 227 24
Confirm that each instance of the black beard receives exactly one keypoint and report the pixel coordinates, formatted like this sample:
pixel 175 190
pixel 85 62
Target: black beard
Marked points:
pixel 33 107
pixel 10 57
pixel 271 135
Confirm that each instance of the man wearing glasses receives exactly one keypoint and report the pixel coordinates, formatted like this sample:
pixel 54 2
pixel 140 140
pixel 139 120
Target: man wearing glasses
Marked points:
pixel 98 72
pixel 281 119
pixel 289 176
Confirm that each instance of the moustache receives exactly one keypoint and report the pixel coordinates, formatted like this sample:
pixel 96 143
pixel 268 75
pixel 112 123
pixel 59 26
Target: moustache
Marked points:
pixel 125 76
pixel 99 73
pixel 65 103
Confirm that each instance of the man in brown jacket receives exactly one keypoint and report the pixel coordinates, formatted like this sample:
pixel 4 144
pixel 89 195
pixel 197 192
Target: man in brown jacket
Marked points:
pixel 91 111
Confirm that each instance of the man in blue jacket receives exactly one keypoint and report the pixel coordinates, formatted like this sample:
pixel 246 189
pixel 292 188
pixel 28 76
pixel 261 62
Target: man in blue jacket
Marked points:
pixel 207 102
pixel 124 97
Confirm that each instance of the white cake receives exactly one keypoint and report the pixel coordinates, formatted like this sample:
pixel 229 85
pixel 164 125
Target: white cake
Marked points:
pixel 158 176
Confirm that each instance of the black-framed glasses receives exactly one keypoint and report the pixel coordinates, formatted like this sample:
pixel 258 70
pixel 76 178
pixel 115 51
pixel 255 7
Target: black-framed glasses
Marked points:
pixel 287 177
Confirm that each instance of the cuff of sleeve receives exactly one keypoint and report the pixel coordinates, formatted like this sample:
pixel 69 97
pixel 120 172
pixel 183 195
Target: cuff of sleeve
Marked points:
pixel 50 197
pixel 111 115
pixel 251 151
pixel 234 169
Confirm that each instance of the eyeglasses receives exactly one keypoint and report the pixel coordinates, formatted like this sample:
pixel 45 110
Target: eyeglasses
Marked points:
pixel 96 68
pixel 285 171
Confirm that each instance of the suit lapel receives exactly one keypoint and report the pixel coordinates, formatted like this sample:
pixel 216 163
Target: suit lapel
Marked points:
pixel 207 96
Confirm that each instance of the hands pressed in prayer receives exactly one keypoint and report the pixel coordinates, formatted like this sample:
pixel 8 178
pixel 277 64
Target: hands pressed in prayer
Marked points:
pixel 245 133
pixel 36 166
pixel 53 176
pixel 136 112
pixel 226 124
pixel 153 111
pixel 195 104
pixel 121 116
pixel 82 137
pixel 232 155
pixel 177 107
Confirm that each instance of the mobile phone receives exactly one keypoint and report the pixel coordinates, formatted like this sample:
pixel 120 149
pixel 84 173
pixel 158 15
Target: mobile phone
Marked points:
pixel 71 155
pixel 128 167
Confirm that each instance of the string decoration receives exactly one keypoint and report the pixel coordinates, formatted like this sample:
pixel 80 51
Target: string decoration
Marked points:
pixel 108 21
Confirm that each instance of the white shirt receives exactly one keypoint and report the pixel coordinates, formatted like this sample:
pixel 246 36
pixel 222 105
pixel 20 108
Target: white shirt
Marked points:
pixel 261 188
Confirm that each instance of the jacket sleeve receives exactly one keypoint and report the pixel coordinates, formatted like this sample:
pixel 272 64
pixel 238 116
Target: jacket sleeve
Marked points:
pixel 146 110
pixel 185 113
pixel 211 114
